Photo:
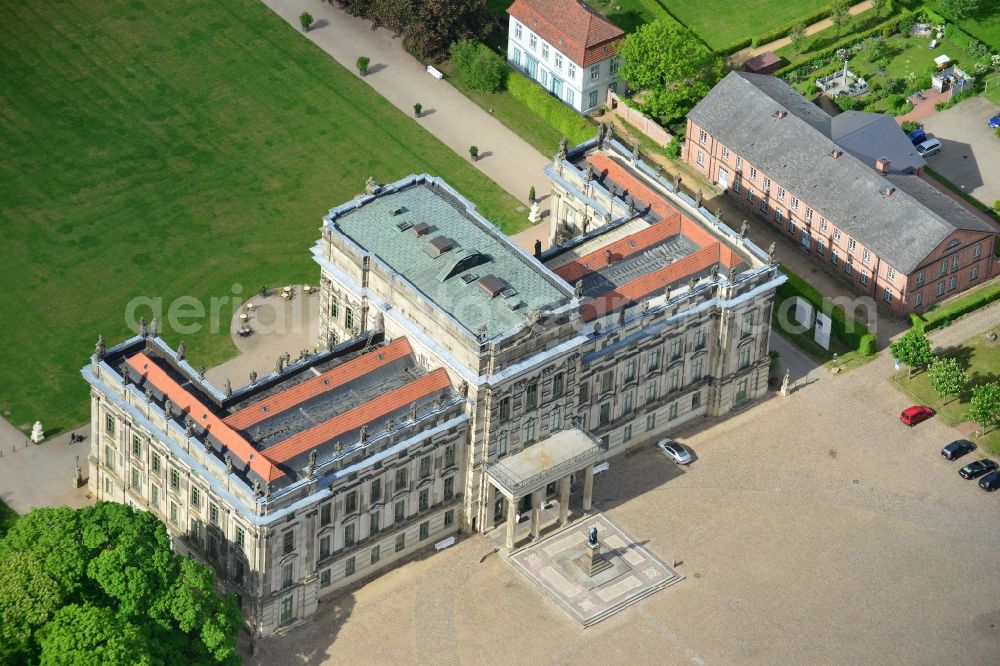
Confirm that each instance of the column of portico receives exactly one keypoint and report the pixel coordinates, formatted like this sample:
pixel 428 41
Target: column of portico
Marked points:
pixel 563 500
pixel 537 498
pixel 489 522
pixel 511 521
pixel 588 487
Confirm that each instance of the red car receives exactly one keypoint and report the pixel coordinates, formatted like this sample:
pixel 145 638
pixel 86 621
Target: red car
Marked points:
pixel 911 416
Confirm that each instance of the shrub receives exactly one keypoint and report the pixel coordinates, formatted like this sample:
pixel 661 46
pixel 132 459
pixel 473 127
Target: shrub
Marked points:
pixel 673 149
pixel 846 102
pixel 562 118
pixel 910 125
pixel 961 306
pixel 362 64
pixel 305 20
pixel 480 67
pixel 868 345
pixel 474 152
pixel 733 47
pixel 897 105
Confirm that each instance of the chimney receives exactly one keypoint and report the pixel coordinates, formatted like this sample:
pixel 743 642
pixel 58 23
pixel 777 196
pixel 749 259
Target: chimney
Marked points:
pixel 887 191
pixel 782 114
pixel 836 153
pixel 607 256
pixel 882 165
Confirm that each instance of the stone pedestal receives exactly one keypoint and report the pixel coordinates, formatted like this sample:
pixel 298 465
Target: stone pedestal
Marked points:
pixel 593 562
pixel 534 216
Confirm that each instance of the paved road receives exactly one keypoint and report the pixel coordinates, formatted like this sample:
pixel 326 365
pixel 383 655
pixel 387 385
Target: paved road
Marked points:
pixel 970 153
pixel 447 114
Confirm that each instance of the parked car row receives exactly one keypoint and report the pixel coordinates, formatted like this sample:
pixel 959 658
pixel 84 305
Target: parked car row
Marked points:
pixel 987 469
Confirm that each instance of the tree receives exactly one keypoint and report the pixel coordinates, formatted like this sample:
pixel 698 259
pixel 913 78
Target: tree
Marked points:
pixel 79 635
pixel 947 377
pixel 878 6
pixel 108 558
pixel 417 108
pixel 797 34
pixel 362 64
pixel 306 19
pixel 960 9
pixel 672 64
pixel 474 153
pixel 481 68
pixel 984 408
pixel 839 13
pixel 531 194
pixel 912 350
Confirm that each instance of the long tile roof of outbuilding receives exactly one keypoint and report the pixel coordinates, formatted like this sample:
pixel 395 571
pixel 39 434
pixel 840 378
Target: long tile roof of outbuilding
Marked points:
pixel 743 112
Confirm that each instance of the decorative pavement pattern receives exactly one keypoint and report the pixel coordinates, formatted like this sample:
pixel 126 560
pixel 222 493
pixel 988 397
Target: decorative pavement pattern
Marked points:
pixel 554 565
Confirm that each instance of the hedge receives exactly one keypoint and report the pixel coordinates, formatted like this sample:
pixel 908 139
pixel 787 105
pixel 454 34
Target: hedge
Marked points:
pixel 843 43
pixel 869 344
pixel 562 118
pixel 852 335
pixel 733 47
pixel 960 306
pixel 778 33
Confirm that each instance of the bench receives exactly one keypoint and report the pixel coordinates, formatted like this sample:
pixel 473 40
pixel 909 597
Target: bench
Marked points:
pixel 433 71
pixel 603 467
pixel 441 545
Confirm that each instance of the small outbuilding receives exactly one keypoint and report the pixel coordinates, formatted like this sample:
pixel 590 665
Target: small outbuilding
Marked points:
pixel 765 63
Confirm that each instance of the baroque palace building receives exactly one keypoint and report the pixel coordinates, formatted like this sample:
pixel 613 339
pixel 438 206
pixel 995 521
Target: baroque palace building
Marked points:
pixel 462 381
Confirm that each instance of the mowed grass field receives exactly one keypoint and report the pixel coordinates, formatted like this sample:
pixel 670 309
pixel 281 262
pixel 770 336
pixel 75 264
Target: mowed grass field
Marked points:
pixel 719 26
pixel 168 149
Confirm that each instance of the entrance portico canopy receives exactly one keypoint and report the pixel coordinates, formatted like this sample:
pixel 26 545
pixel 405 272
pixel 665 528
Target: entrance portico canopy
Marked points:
pixel 555 458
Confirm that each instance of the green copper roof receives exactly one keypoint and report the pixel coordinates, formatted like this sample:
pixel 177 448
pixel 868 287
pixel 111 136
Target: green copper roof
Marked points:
pixel 449 274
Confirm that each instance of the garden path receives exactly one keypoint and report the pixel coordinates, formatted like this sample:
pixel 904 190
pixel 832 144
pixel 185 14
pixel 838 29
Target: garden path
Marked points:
pixel 449 115
pixel 751 51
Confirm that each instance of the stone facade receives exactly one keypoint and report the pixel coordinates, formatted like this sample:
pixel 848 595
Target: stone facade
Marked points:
pixel 464 382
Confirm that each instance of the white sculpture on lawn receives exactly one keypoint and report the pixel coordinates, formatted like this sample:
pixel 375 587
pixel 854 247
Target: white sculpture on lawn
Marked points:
pixel 37 434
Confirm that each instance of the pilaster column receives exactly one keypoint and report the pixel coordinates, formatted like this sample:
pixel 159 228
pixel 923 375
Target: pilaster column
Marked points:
pixel 511 521
pixel 588 487
pixel 537 498
pixel 563 500
pixel 488 521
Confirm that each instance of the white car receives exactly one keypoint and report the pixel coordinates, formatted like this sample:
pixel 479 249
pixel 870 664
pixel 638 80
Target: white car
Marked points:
pixel 929 147
pixel 674 451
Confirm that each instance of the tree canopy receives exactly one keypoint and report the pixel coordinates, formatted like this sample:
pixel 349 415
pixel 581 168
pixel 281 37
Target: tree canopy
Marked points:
pixel 960 9
pixel 984 408
pixel 947 377
pixel 912 350
pixel 672 65
pixel 100 585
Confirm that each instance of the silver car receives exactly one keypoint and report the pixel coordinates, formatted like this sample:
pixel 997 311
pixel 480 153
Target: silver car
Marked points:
pixel 929 147
pixel 674 451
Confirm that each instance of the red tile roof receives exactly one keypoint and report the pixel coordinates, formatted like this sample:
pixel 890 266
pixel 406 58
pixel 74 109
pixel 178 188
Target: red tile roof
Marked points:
pixel 570 26
pixel 360 415
pixel 620 249
pixel 200 414
pixel 327 381
pixel 635 187
pixel 651 282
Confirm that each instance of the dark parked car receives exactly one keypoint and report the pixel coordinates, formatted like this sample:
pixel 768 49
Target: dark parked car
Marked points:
pixel 918 136
pixel 978 468
pixel 957 449
pixel 911 416
pixel 990 482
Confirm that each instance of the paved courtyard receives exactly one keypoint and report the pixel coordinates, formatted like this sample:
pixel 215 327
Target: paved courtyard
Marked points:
pixel 970 152
pixel 813 529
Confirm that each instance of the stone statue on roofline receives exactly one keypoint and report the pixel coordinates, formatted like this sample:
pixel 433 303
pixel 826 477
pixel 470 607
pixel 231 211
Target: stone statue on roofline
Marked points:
pixel 666 293
pixel 363 434
pixel 149 395
pixel 578 289
pixel 481 332
pixel 590 172
pixel 181 348
pixel 390 424
pixel 201 371
pixel 413 412
pixel 168 408
pixel 253 376
pixel 744 228
pixel 635 152
pixel 227 388
pixel 229 464
pixel 631 206
pixel 677 183
pixel 602 130
pixel 312 462
pixel 124 371
pixel 699 198
pixel 143 331
pixel 99 349
pixel 715 272
pixel 256 488
pixel 154 328
pixel 659 170
pixel 189 427
pixel 338 449
pixel 563 148
pixel 718 215
pixel 371 186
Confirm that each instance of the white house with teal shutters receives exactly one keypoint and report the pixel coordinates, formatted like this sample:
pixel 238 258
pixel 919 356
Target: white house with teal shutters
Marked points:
pixel 567 47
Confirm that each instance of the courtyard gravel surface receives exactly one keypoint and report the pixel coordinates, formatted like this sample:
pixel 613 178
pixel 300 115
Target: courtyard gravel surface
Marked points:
pixel 812 529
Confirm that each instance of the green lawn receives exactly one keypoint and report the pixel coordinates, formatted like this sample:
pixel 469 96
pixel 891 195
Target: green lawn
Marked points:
pixel 982 362
pixel 985 26
pixel 164 149
pixel 511 112
pixel 720 26
pixel 629 14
